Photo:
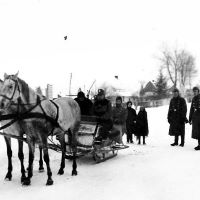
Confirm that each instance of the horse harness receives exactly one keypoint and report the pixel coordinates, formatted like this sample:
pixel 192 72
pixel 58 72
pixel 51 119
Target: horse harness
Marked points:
pixel 19 116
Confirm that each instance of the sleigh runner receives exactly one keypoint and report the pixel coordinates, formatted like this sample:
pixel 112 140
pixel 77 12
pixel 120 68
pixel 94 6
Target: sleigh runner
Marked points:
pixel 85 141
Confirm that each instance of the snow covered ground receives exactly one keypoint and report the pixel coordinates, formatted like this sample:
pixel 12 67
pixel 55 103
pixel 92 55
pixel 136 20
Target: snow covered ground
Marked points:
pixel 155 171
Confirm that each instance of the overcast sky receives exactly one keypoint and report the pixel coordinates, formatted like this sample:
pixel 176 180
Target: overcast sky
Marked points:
pixel 105 38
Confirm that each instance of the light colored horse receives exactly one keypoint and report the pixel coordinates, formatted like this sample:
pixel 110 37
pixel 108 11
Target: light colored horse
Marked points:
pixel 13 130
pixel 63 112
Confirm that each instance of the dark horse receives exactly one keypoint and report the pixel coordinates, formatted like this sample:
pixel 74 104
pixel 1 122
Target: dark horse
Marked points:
pixel 38 118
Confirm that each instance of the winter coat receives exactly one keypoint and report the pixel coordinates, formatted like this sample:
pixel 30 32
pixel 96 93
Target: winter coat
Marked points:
pixel 194 117
pixel 131 121
pixel 177 116
pixel 103 110
pixel 119 115
pixel 85 106
pixel 142 128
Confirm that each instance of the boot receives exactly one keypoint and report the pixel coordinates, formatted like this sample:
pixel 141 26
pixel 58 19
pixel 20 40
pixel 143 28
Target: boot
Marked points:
pixel 181 145
pixel 144 140
pixel 182 140
pixel 174 144
pixel 175 141
pixel 197 148
pixel 138 139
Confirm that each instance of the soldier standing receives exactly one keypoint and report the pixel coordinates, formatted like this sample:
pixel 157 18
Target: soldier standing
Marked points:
pixel 194 117
pixel 177 117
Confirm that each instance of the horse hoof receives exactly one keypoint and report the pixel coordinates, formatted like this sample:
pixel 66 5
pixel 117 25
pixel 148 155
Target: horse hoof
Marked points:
pixel 8 178
pixel 23 179
pixel 60 172
pixel 74 173
pixel 26 182
pixel 49 182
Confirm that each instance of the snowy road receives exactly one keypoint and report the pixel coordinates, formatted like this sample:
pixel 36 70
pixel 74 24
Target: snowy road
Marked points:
pixel 155 171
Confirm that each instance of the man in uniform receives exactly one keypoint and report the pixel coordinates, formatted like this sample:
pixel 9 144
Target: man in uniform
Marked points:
pixel 177 117
pixel 194 117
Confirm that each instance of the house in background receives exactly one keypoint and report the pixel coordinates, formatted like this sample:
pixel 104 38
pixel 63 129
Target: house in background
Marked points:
pixel 149 89
pixel 149 98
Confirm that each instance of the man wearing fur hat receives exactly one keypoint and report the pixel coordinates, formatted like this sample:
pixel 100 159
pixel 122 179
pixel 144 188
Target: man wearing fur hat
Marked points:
pixel 177 117
pixel 194 117
pixel 103 111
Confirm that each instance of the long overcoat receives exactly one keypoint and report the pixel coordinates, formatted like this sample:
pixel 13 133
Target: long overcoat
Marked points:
pixel 177 116
pixel 194 117
pixel 142 128
pixel 131 121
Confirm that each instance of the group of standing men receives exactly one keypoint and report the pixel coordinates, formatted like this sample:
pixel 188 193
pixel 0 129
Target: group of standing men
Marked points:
pixel 177 117
pixel 123 119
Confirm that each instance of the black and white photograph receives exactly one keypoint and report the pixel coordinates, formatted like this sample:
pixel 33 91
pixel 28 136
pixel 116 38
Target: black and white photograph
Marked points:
pixel 99 99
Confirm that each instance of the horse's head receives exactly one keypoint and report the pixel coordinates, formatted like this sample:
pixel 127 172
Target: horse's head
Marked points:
pixel 9 91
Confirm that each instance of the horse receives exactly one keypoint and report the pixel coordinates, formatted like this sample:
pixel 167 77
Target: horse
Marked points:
pixel 38 118
pixel 13 130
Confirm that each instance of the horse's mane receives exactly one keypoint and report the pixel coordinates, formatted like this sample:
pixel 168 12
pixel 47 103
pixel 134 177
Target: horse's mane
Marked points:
pixel 24 88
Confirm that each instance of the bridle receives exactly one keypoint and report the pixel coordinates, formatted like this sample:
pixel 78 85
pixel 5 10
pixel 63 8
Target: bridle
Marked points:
pixel 15 89
pixel 19 103
pixel 18 116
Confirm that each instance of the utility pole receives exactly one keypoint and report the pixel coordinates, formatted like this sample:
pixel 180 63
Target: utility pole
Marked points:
pixel 70 82
pixel 88 92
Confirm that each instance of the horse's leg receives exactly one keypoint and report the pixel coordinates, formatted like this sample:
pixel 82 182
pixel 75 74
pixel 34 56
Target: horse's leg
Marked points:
pixel 46 159
pixel 31 146
pixel 74 165
pixel 74 149
pixel 9 155
pixel 63 147
pixel 41 168
pixel 21 158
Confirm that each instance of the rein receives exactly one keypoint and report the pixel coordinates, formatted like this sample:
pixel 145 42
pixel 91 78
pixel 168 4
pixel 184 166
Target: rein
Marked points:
pixel 27 114
pixel 17 116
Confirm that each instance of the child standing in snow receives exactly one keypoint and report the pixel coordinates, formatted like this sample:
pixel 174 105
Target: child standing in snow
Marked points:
pixel 142 129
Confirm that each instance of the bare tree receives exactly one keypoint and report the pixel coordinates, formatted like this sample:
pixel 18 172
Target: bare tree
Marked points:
pixel 187 69
pixel 170 62
pixel 180 66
